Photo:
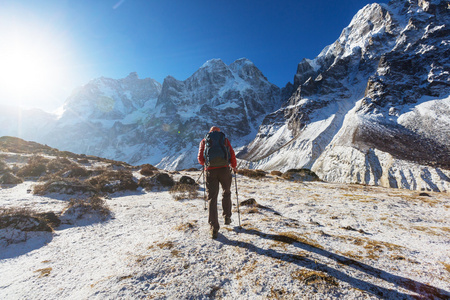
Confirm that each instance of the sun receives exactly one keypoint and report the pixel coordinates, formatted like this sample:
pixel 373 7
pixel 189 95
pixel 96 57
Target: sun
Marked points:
pixel 25 67
pixel 32 63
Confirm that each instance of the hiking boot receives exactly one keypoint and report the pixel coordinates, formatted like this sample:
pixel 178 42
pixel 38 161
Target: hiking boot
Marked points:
pixel 214 233
pixel 227 220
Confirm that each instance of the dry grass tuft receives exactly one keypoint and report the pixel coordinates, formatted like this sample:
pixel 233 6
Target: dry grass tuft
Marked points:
pixel 44 272
pixel 252 173
pixel 91 206
pixel 277 293
pixel 192 170
pixel 314 278
pixel 182 191
pixel 276 173
pixel 166 245
pixel 250 210
pixel 247 269
pixel 433 230
pixel 446 266
pixel 83 161
pixel 125 277
pixel 292 237
pixel 300 175
pixel 352 255
pixel 373 249
pixel 189 226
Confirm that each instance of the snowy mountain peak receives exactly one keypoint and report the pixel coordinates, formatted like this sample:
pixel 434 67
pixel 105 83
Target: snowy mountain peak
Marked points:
pixel 246 70
pixel 240 63
pixel 350 119
pixel 213 64
pixel 111 99
pixel 132 75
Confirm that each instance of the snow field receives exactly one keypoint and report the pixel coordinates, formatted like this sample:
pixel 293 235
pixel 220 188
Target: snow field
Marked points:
pixel 308 240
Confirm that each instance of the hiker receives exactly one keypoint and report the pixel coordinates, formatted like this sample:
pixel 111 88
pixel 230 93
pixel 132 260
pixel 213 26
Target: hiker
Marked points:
pixel 216 155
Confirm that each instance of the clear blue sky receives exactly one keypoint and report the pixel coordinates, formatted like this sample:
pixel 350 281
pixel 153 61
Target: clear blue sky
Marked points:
pixel 85 39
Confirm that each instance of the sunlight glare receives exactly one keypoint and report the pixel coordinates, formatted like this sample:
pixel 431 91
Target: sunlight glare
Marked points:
pixel 32 63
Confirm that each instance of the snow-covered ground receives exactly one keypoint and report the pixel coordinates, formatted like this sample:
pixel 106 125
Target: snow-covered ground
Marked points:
pixel 309 240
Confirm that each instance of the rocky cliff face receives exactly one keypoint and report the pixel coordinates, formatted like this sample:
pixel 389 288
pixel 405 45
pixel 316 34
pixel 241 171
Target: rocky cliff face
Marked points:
pixel 373 107
pixel 234 97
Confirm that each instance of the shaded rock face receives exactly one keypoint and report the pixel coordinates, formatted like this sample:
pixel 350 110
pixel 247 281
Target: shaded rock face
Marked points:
pixel 379 93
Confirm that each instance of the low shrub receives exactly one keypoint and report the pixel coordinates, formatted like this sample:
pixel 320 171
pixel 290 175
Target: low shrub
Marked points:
pixel 184 191
pixel 252 173
pixel 50 217
pixel 36 166
pixel 67 186
pixel 148 170
pixel 9 178
pixel 91 207
pixel 71 171
pixel 114 181
pixel 84 161
pixel 77 172
pixel 59 164
pixel 300 175
pixel 23 220
pixel 146 183
pixel 276 173
pixel 3 166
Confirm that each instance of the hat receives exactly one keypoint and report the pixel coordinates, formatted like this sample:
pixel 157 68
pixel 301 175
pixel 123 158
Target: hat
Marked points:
pixel 214 128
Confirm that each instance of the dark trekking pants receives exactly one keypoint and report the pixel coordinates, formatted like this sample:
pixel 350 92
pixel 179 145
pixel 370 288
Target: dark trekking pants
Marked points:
pixel 213 178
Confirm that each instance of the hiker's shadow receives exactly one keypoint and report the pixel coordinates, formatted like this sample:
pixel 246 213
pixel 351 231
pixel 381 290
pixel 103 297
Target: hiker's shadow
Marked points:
pixel 424 291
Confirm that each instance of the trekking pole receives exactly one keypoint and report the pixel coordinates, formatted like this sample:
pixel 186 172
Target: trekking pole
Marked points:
pixel 237 200
pixel 204 187
pixel 200 175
